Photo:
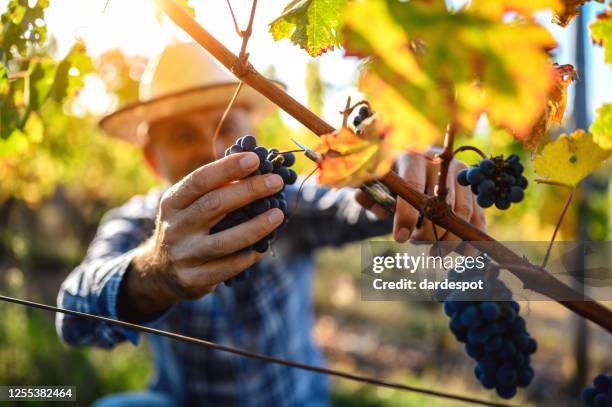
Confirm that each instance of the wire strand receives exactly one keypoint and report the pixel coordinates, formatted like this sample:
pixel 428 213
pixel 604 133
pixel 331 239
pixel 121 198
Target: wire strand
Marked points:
pixel 253 355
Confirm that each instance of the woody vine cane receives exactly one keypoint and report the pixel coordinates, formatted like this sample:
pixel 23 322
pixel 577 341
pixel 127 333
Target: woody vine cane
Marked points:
pixel 433 207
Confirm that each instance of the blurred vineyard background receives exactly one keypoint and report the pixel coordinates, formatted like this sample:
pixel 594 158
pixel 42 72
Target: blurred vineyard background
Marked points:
pixel 59 175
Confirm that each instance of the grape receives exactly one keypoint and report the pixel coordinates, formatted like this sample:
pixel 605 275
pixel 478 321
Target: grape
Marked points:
pixel 282 205
pixel 495 181
pixel 486 187
pixel 260 206
pixel 261 152
pixel 288 159
pixel 236 149
pixel 266 167
pixel 269 161
pixel 283 172
pixel 291 178
pixel 516 194
pixel 487 167
pixel 485 201
pixel 502 203
pixel 462 177
pixel 602 383
pixel 248 143
pixel 493 333
pixel 364 112
pixel 261 246
pixel 475 176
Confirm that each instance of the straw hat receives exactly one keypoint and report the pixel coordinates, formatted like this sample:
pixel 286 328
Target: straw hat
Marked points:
pixel 182 79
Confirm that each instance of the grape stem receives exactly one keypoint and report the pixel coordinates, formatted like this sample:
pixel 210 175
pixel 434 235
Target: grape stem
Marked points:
pixel 446 156
pixel 542 282
pixel 469 148
pixel 223 117
pixel 557 226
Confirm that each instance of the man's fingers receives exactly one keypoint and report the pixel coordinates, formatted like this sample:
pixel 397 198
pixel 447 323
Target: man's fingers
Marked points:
pixel 208 178
pixel 413 169
pixel 370 204
pixel 197 281
pixel 463 202
pixel 202 248
pixel 210 208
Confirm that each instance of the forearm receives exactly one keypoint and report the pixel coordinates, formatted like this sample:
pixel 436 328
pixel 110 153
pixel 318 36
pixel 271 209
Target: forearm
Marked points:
pixel 143 296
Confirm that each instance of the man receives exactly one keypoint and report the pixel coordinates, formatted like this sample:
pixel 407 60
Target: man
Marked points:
pixel 153 260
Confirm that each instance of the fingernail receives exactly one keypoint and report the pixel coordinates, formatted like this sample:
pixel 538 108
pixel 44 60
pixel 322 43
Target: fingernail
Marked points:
pixel 275 216
pixel 248 161
pixel 402 235
pixel 273 181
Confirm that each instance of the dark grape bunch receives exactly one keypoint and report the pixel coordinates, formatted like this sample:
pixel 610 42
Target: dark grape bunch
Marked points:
pixel 495 181
pixel 600 394
pixel 270 161
pixel 364 113
pixel 493 332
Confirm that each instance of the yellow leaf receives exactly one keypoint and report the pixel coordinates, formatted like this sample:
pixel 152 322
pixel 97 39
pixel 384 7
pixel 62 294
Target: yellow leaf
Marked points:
pixel 570 10
pixel 350 160
pixel 569 159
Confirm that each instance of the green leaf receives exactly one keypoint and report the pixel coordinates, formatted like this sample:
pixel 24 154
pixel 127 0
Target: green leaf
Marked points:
pixel 601 32
pixel 15 143
pixel 70 73
pixel 23 26
pixel 41 81
pixel 602 127
pixel 314 25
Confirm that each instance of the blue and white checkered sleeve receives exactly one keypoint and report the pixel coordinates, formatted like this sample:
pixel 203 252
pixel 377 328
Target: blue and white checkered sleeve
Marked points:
pixel 93 287
pixel 325 216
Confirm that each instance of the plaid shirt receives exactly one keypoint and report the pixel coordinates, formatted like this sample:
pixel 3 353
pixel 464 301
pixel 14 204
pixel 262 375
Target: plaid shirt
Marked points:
pixel 270 313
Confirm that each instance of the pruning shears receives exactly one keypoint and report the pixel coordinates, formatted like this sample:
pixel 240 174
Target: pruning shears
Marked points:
pixel 375 189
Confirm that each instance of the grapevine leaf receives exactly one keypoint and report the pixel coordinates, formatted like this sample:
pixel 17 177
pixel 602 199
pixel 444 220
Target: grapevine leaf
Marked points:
pixel 312 24
pixel 41 82
pixel 351 160
pixel 601 32
pixel 570 11
pixel 23 25
pixel 555 108
pixel 4 90
pixel 420 80
pixel 569 159
pixel 70 73
pixel 4 83
pixel 601 129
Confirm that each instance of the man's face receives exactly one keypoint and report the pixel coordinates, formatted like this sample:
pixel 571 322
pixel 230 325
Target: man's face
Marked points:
pixel 180 144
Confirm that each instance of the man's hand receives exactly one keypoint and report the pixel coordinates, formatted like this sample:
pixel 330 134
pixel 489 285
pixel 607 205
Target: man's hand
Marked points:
pixel 422 175
pixel 182 260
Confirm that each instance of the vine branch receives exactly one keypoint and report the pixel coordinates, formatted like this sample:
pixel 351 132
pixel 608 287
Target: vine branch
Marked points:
pixel 541 281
